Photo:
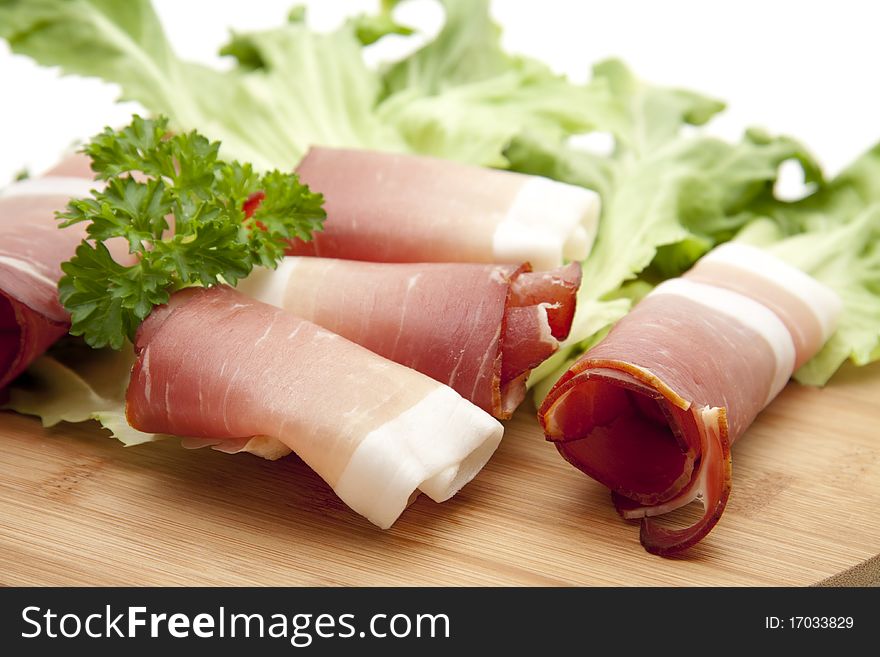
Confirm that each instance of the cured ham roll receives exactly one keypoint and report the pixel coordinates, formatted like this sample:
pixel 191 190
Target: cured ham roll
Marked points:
pixel 215 364
pixel 652 410
pixel 389 207
pixel 32 249
pixel 480 329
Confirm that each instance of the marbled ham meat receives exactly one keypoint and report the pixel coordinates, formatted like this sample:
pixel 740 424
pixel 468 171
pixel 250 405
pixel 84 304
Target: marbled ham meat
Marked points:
pixel 32 249
pixel 244 375
pixel 390 207
pixel 652 410
pixel 479 329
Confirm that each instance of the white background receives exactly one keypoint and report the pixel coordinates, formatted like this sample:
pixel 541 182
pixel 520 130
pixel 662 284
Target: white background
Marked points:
pixel 809 68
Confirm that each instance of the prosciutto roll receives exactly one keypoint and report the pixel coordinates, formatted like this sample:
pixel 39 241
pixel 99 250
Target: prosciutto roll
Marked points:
pixel 215 364
pixel 32 249
pixel 652 410
pixel 479 329
pixel 388 207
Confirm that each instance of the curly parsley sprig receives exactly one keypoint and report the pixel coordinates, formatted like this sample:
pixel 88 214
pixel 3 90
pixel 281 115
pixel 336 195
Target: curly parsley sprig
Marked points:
pixel 227 218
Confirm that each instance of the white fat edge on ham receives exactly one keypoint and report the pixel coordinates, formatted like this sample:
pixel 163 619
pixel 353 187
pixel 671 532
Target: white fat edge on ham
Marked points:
pixel 819 299
pixel 270 285
pixel 547 223
pixel 514 391
pixel 546 335
pixel 26 267
pixel 542 320
pixel 68 186
pixel 436 446
pixel 438 465
pixel 822 302
pixel 747 312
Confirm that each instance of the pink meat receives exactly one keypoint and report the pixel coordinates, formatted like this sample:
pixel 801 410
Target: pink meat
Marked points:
pixel 477 328
pixel 282 370
pixel 525 344
pixel 32 249
pixel 25 334
pixel 383 207
pixel 217 365
pixel 652 410
pixel 623 423
pixel 557 288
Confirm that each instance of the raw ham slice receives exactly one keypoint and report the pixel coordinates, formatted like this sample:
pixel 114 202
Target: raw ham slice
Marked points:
pixel 32 249
pixel 215 364
pixel 477 328
pixel 388 207
pixel 652 410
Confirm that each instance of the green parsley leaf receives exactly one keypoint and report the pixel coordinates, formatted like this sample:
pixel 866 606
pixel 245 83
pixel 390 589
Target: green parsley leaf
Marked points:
pixel 182 212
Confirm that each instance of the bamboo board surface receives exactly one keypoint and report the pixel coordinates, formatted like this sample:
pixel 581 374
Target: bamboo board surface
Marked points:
pixel 79 509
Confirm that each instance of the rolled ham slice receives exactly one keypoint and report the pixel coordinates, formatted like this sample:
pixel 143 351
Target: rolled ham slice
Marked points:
pixel 217 365
pixel 32 249
pixel 389 207
pixel 479 329
pixel 652 410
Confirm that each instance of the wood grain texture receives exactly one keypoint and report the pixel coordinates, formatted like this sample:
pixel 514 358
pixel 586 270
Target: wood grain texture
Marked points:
pixel 77 508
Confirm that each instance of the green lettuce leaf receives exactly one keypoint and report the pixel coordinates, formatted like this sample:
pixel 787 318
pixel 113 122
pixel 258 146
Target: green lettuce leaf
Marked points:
pixel 476 122
pixel 75 383
pixel 847 259
pixel 834 235
pixel 312 89
pixel 473 112
pixel 293 87
pixel 370 28
pixel 668 196
pixel 466 50
pixel 123 43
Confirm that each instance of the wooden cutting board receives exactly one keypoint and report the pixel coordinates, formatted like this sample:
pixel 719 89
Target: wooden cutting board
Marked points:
pixel 77 508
